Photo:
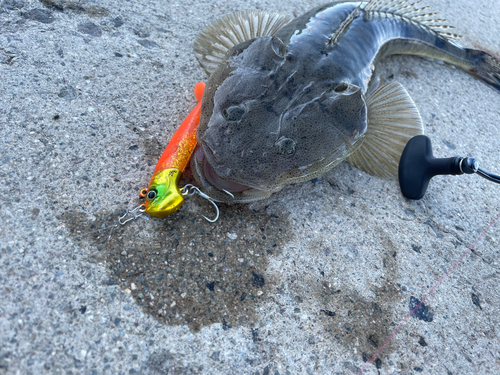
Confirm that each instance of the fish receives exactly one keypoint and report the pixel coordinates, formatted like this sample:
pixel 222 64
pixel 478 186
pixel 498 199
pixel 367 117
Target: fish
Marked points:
pixel 288 99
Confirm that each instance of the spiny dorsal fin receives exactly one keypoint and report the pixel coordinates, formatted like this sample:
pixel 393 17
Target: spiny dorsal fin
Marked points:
pixel 212 44
pixel 334 39
pixel 408 12
pixel 393 119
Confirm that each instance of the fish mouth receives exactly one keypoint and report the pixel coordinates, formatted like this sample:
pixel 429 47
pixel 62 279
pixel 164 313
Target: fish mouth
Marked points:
pixel 218 188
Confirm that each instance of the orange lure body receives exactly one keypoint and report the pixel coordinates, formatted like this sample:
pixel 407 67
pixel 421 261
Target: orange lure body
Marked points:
pixel 183 142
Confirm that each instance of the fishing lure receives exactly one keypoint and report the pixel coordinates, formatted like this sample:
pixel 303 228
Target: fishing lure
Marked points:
pixel 163 195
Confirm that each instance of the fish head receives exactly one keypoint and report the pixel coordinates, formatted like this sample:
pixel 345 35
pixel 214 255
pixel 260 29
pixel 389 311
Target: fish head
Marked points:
pixel 264 125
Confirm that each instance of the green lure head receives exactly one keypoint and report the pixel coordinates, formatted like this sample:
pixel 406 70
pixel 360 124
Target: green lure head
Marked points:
pixel 163 196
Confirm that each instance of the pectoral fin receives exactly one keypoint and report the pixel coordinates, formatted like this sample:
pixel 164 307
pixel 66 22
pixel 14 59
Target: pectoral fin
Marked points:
pixel 212 44
pixel 393 119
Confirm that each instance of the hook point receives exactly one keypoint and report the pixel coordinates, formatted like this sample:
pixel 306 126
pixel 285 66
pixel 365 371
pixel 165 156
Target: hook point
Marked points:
pixel 216 209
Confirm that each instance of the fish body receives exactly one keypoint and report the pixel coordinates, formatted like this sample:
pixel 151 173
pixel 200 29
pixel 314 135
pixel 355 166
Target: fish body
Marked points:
pixel 285 105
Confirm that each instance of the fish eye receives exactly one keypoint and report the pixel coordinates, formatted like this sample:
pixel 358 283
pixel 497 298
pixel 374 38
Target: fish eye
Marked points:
pixel 342 87
pixel 152 194
pixel 285 146
pixel 233 113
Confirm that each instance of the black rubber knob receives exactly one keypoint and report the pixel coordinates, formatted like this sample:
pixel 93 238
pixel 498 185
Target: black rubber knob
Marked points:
pixel 417 166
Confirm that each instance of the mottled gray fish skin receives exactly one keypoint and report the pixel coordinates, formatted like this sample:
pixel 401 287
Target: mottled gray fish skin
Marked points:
pixel 288 108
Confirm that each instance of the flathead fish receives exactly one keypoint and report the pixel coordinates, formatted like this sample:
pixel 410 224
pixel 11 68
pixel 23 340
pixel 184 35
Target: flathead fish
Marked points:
pixel 288 99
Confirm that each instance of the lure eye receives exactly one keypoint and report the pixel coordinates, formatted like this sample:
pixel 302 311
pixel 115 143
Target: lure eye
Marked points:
pixel 152 194
pixel 233 113
pixel 285 146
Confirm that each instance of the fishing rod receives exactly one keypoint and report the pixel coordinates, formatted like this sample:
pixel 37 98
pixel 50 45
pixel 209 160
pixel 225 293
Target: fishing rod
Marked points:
pixel 417 166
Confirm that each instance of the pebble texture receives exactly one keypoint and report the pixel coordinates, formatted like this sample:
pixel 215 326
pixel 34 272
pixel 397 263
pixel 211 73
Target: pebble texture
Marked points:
pixel 310 281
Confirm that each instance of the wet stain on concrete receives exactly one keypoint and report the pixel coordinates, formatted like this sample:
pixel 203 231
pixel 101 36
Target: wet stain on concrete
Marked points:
pixel 183 270
pixel 423 312
pixel 164 362
pixel 475 300
pixel 74 7
pixel 422 342
pixel 151 149
pixel 39 15
pixel 359 324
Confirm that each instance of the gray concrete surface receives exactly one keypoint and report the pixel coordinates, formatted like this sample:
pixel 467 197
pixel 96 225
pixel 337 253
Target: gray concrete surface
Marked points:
pixel 310 281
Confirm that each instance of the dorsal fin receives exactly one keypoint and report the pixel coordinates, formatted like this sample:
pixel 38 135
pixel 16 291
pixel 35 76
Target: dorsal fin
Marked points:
pixel 334 39
pixel 407 11
pixel 212 44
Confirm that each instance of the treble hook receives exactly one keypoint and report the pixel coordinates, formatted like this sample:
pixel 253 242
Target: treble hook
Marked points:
pixel 141 209
pixel 190 190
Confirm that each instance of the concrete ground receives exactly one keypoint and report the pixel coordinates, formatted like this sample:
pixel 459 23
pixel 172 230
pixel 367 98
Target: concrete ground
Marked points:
pixel 310 281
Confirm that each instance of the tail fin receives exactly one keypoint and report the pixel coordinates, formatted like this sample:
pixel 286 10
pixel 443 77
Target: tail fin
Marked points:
pixel 486 69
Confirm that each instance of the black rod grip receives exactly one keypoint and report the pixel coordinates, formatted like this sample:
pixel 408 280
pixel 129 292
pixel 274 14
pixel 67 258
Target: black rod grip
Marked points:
pixel 417 166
